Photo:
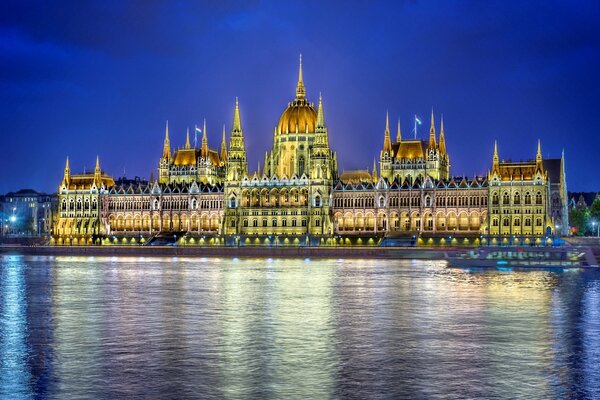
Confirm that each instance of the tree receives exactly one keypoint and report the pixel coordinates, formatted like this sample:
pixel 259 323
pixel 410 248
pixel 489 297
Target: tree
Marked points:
pixel 579 219
pixel 595 209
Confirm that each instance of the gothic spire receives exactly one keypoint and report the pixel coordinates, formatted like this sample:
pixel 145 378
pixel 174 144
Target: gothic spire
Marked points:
pixel 67 174
pixel 432 142
pixel 187 138
pixel 167 145
pixel 237 122
pixel 300 91
pixel 495 159
pixel 223 147
pixel 442 137
pixel 387 141
pixel 399 133
pixel 374 173
pixel 204 151
pixel 320 115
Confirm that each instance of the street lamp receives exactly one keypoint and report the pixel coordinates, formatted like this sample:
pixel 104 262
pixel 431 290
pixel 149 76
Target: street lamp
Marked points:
pixel 593 228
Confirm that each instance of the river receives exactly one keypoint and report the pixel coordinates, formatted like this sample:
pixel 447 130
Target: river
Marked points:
pixel 226 328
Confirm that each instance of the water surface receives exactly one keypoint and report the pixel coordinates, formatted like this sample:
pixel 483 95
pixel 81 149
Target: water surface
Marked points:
pixel 90 327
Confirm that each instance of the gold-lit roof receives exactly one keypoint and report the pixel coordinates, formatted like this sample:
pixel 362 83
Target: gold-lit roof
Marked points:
pixel 300 113
pixel 189 157
pixel 85 181
pixel 525 170
pixel 410 149
pixel 356 176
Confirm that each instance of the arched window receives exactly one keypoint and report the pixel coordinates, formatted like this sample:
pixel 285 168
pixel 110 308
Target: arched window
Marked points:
pixel 245 223
pixel 517 199
pixel 527 198
pixel 505 199
pixel 495 199
pixel 255 223
pixel 317 201
pixel 381 201
pixel 538 198
pixel 506 222
pixel 232 202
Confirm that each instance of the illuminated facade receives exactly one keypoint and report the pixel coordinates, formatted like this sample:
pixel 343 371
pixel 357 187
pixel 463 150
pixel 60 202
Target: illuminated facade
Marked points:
pixel 205 196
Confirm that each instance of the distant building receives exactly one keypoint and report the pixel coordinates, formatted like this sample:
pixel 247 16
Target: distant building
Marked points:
pixel 27 213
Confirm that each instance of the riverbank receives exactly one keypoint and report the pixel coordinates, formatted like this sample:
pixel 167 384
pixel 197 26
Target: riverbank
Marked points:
pixel 423 253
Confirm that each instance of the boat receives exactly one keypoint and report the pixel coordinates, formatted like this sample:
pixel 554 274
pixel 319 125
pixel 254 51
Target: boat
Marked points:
pixel 505 259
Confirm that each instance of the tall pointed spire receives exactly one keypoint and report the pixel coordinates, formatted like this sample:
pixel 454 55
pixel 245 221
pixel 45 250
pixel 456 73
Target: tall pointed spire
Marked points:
pixel 320 115
pixel 300 91
pixel 67 174
pixel 496 159
pixel 387 141
pixel 432 142
pixel 399 133
pixel 374 172
pixel 187 139
pixel 97 172
pixel 204 151
pixel 223 146
pixel 266 164
pixel 538 157
pixel 442 137
pixel 167 145
pixel 237 122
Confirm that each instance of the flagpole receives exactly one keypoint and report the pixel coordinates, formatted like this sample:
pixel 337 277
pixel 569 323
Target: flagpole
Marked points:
pixel 195 136
pixel 415 127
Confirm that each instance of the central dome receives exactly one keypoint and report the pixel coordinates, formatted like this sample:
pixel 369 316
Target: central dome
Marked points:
pixel 299 116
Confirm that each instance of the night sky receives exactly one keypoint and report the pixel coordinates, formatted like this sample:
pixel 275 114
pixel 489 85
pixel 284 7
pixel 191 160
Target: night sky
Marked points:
pixel 81 79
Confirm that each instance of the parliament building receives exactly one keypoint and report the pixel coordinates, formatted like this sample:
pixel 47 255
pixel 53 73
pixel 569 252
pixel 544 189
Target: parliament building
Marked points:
pixel 206 196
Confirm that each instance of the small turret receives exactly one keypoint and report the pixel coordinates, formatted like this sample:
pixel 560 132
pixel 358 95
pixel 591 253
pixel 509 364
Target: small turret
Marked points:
pixel 399 133
pixel 538 158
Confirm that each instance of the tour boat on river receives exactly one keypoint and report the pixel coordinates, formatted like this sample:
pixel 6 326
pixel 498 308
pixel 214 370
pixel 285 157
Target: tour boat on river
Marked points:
pixel 523 258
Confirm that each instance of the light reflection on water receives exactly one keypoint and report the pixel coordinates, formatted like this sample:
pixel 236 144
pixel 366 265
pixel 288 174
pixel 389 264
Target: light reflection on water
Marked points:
pixel 81 327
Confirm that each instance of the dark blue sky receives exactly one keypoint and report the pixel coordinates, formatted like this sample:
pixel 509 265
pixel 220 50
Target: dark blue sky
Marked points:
pixel 88 78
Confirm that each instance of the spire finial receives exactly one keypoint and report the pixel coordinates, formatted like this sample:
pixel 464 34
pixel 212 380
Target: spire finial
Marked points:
pixel 399 133
pixel 300 91
pixel 539 149
pixel 496 159
pixel 187 138
pixel 67 165
pixel 97 163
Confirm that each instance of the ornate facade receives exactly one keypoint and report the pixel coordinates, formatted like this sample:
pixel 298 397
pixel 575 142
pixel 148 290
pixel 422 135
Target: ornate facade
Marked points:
pixel 205 196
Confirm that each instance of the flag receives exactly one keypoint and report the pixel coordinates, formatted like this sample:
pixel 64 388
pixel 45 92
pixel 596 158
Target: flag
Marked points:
pixel 417 120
